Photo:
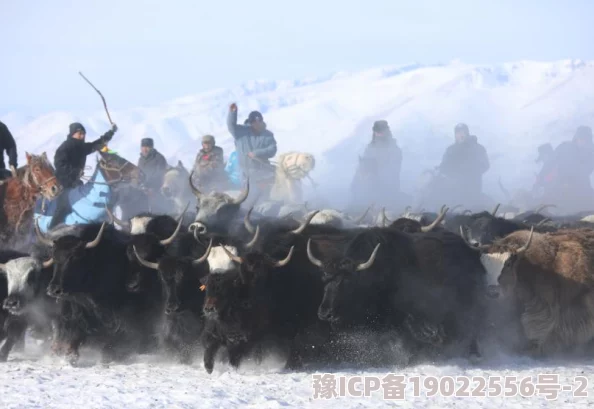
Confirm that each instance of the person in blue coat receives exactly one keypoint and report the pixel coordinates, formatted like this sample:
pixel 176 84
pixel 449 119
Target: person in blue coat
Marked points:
pixel 255 145
pixel 233 171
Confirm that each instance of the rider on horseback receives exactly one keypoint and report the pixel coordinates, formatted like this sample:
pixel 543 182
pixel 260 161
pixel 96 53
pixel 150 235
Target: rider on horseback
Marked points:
pixel 70 160
pixel 209 166
pixel 255 146
pixel 7 144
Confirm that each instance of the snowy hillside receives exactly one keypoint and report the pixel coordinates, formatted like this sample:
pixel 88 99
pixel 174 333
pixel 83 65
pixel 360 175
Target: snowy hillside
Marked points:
pixel 511 107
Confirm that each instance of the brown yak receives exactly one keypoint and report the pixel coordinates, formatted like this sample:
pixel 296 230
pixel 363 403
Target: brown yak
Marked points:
pixel 550 278
pixel 19 193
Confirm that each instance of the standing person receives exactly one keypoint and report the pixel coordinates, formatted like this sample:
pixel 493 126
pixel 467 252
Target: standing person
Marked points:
pixel 153 164
pixel 70 160
pixel 378 175
pixel 8 145
pixel 255 146
pixel 209 166
pixel 464 164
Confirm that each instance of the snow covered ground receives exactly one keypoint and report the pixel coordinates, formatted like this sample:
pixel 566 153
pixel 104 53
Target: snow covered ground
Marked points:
pixel 31 381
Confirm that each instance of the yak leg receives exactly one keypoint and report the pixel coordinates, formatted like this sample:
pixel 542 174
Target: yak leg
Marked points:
pixel 15 328
pixel 425 331
pixel 236 354
pixel 212 346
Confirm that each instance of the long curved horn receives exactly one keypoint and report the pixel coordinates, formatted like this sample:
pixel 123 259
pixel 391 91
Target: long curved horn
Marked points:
pixel 494 212
pixel 13 171
pixel 169 240
pixel 115 220
pixel 311 257
pixel 40 235
pixel 385 219
pixel 254 240
pixel 360 219
pixel 527 245
pixel 95 243
pixel 305 223
pixel 543 221
pixel 371 260
pixel 287 259
pixel 476 248
pixel 154 266
pixel 467 212
pixel 48 263
pixel 543 207
pixel 244 194
pixel 247 222
pixel 437 221
pixel 195 190
pixel 232 256
pixel 407 209
pixel 204 256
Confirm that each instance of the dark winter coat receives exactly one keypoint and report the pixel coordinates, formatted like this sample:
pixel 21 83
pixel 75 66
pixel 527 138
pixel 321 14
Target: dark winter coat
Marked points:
pixel 388 157
pixel 71 157
pixel 209 162
pixel 263 146
pixel 464 163
pixel 154 166
pixel 573 164
pixel 8 145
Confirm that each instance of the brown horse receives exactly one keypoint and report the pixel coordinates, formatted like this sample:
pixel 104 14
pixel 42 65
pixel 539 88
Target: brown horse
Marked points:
pixel 18 195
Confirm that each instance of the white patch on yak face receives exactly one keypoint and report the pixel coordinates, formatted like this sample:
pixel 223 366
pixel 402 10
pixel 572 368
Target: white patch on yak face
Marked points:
pixel 138 224
pixel 493 264
pixel 17 273
pixel 219 261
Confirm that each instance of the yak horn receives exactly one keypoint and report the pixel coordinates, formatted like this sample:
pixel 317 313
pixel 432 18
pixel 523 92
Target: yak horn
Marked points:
pixel 244 194
pixel 543 207
pixel 385 219
pixel 232 256
pixel 40 235
pixel 48 263
pixel 467 212
pixel 13 171
pixel 543 221
pixel 95 243
pixel 248 223
pixel 476 248
pixel 115 220
pixel 254 240
pixel 287 259
pixel 360 219
pixel 525 246
pixel 407 209
pixel 154 266
pixel 437 221
pixel 205 255
pixel 494 212
pixel 369 262
pixel 311 257
pixel 195 190
pixel 305 223
pixel 169 240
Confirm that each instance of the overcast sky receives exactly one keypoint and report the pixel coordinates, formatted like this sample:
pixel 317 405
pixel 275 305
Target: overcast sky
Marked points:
pixel 142 52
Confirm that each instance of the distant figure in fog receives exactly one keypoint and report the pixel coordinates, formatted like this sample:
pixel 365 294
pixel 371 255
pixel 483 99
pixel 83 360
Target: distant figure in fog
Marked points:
pixel 571 165
pixel 464 164
pixel 547 173
pixel 378 175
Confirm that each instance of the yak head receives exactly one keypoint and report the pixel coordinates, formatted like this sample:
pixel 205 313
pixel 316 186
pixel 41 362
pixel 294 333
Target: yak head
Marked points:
pixel 215 210
pixel 501 260
pixel 26 278
pixel 181 278
pixel 345 285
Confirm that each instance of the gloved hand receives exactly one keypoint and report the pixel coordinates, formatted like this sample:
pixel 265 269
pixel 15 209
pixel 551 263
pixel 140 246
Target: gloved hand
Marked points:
pixel 114 128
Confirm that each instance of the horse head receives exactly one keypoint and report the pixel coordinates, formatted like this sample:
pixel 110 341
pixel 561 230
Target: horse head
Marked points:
pixel 40 175
pixel 118 170
pixel 175 181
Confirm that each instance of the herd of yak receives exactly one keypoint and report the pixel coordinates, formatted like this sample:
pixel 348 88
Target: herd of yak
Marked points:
pixel 425 286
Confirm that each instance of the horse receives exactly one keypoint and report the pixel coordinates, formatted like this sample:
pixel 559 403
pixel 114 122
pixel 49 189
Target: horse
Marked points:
pixel 176 188
pixel 89 203
pixel 291 168
pixel 19 193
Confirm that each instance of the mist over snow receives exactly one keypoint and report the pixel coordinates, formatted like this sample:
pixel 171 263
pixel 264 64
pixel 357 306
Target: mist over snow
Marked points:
pixel 511 107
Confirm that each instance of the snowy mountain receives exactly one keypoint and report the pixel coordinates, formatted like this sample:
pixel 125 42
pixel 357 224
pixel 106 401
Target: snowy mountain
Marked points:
pixel 511 107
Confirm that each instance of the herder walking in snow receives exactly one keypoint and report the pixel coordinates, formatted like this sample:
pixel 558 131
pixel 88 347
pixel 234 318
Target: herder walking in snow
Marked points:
pixel 255 146
pixel 8 145
pixel 70 160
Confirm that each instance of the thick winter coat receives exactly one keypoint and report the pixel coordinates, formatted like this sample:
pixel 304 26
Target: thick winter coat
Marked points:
pixel 263 146
pixel 7 144
pixel 153 166
pixel 464 163
pixel 71 157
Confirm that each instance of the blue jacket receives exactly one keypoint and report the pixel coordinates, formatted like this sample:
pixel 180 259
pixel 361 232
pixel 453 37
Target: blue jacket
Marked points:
pixel 263 146
pixel 232 170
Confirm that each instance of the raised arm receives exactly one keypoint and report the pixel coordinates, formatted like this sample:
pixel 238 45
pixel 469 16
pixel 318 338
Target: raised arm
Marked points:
pixel 10 147
pixel 232 121
pixel 96 145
